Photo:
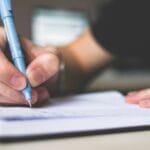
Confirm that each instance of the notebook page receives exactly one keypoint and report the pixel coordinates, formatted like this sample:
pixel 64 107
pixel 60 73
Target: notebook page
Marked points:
pixel 71 114
pixel 107 104
pixel 84 105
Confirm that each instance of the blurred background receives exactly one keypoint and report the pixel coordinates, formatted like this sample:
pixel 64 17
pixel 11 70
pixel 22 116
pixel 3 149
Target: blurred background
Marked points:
pixel 57 22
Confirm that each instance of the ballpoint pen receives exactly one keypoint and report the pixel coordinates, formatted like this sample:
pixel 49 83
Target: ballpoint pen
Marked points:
pixel 14 44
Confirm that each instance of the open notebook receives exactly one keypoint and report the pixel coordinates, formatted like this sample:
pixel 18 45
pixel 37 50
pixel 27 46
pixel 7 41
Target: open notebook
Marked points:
pixel 72 114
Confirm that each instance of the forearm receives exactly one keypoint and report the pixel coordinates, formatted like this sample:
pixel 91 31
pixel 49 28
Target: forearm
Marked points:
pixel 82 59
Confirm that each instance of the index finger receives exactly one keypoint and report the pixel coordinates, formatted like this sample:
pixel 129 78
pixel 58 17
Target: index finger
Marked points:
pixel 10 75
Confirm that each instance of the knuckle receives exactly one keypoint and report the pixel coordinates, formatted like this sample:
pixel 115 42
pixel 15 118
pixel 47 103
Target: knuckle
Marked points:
pixel 49 57
pixel 52 59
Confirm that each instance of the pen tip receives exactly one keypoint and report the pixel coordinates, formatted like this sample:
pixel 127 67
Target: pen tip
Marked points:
pixel 29 102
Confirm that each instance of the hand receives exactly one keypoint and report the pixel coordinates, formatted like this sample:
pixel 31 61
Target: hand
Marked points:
pixel 43 66
pixel 142 98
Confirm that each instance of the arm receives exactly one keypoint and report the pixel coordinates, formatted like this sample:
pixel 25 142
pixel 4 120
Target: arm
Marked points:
pixel 83 58
pixel 122 30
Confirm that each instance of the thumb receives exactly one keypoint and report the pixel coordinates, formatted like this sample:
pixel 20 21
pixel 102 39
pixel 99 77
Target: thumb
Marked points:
pixel 42 68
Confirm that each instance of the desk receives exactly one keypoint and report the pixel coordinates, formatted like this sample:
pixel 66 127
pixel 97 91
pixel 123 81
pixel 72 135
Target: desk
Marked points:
pixel 122 141
pixel 120 80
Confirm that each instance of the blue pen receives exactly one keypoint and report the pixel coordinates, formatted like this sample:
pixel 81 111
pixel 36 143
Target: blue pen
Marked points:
pixel 14 43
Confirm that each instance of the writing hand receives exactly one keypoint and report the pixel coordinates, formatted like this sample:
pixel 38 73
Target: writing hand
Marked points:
pixel 43 65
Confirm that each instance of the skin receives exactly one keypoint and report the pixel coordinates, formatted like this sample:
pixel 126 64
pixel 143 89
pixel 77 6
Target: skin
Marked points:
pixel 141 98
pixel 38 72
pixel 82 57
pixel 86 55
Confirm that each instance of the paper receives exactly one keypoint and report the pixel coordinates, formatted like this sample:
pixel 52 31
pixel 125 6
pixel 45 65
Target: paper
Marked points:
pixel 87 112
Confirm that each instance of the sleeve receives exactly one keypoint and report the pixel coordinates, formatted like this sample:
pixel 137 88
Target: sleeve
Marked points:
pixel 123 28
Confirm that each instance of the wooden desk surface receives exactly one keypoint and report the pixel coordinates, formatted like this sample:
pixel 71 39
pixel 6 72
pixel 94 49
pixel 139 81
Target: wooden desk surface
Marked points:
pixel 123 141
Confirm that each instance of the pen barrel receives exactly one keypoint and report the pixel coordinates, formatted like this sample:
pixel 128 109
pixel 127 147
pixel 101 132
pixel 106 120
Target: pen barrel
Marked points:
pixel 19 62
pixel 14 44
pixel 16 51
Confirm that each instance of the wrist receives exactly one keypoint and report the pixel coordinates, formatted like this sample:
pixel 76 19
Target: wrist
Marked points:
pixel 82 58
pixel 85 54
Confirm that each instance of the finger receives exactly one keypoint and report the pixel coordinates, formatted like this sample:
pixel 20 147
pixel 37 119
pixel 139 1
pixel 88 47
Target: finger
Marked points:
pixel 34 97
pixel 10 93
pixel 132 93
pixel 138 96
pixel 42 68
pixel 10 75
pixel 18 100
pixel 43 96
pixel 132 99
pixel 9 102
pixel 4 101
pixel 145 103
pixel 3 38
pixel 39 71
pixel 29 49
pixel 32 50
pixel 42 93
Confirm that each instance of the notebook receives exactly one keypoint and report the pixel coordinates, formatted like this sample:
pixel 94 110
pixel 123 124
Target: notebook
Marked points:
pixel 76 114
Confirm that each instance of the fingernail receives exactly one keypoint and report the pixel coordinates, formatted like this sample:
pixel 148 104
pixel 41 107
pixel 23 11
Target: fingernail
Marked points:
pixel 37 77
pixel 18 82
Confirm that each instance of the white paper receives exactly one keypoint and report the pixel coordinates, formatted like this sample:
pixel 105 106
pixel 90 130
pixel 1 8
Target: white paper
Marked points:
pixel 85 112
